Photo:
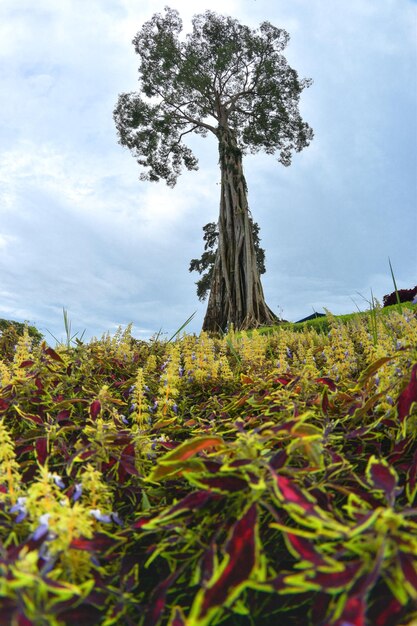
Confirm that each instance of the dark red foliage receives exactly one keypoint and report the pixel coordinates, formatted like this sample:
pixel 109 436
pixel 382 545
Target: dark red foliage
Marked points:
pixel 241 552
pixel 386 611
pixel 329 382
pixel 223 484
pixel 41 446
pixel 53 355
pixel 293 494
pixel 127 461
pixel 99 543
pixel 353 612
pixel 405 295
pixel 306 550
pixel 408 396
pixel 191 502
pixel 381 477
pixel 338 580
pixel 95 408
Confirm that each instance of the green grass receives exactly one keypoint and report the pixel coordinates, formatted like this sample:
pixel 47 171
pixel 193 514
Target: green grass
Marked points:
pixel 321 324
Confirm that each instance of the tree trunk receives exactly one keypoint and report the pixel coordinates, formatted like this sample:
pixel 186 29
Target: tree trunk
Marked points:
pixel 236 294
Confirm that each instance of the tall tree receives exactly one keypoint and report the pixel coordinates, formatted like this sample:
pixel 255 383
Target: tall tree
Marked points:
pixel 234 82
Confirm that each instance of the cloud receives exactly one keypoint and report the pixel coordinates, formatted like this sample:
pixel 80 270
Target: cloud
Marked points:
pixel 79 230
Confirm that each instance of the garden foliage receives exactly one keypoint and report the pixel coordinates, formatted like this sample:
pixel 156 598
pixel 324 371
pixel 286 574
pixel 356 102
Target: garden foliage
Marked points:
pixel 239 480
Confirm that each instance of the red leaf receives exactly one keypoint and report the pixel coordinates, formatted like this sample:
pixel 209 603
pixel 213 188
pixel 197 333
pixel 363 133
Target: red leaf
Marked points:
pixel 353 612
pixel 291 493
pixel 3 405
pixel 283 380
pixel 127 460
pixel 63 415
pixel 27 363
pixel 188 449
pixel 338 580
pixel 98 544
pixel 412 473
pixel 409 568
pixel 241 551
pixel 305 549
pixel 408 395
pixel 41 450
pixel 389 608
pixel 223 484
pixel 33 418
pixel 383 477
pixel 325 404
pixel 279 459
pixel 141 522
pixel 327 381
pixel 54 355
pixel 171 462
pixel 194 500
pixel 95 408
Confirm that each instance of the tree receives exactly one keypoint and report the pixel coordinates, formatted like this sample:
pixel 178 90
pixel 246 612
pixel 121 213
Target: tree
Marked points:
pixel 205 264
pixel 233 82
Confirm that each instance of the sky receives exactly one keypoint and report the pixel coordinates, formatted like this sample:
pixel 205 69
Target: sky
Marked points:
pixel 79 231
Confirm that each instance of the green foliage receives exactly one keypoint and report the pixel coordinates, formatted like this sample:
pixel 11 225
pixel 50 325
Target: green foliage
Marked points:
pixel 249 479
pixel 223 74
pixel 321 324
pixel 11 332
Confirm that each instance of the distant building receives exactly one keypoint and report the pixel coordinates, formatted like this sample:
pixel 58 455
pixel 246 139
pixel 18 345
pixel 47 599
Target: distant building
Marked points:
pixel 311 317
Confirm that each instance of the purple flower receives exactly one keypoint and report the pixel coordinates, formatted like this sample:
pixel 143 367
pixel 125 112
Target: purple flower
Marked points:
pixel 58 480
pixel 106 518
pixel 116 519
pixel 43 527
pixel 100 517
pixel 19 508
pixel 78 490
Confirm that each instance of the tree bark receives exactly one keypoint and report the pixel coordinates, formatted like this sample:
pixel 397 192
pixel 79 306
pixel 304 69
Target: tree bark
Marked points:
pixel 236 294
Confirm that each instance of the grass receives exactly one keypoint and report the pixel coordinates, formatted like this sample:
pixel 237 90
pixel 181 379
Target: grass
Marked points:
pixel 322 324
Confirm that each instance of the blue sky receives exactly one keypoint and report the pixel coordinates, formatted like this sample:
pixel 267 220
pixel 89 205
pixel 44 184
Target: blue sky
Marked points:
pixel 79 230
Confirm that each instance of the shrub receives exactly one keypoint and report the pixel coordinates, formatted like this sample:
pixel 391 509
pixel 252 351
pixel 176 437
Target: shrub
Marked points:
pixel 405 295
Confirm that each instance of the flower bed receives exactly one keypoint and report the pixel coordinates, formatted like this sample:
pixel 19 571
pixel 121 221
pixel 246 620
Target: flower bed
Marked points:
pixel 244 480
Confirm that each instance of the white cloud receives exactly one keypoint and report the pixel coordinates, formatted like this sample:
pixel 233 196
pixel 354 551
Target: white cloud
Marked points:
pixel 78 228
